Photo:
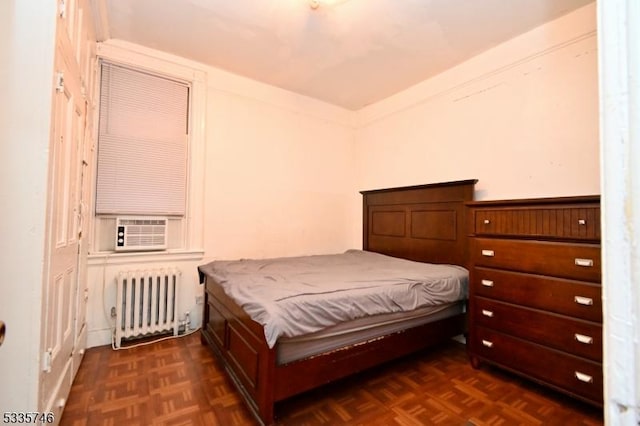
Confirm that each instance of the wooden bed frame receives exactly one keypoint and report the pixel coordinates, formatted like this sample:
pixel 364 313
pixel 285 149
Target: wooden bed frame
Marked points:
pixel 424 223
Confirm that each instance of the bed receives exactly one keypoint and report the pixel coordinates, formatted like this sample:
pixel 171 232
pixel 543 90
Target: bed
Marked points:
pixel 269 363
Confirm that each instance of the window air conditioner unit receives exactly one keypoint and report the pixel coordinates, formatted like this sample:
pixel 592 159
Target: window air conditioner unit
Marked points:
pixel 141 233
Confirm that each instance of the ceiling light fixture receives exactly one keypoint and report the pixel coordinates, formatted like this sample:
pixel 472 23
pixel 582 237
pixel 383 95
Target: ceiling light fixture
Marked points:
pixel 314 4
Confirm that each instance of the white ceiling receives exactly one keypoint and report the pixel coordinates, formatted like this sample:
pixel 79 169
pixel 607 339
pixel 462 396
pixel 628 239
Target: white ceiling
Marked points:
pixel 351 53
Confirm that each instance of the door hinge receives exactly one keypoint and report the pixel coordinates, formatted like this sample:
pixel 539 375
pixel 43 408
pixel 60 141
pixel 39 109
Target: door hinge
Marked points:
pixel 59 82
pixel 46 360
pixel 62 9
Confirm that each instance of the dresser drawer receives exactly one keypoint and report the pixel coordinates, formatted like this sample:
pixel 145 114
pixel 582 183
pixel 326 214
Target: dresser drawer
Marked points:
pixel 575 375
pixel 566 260
pixel 567 297
pixel 579 222
pixel 578 337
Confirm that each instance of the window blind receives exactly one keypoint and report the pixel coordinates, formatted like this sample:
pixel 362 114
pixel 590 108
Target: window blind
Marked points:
pixel 142 143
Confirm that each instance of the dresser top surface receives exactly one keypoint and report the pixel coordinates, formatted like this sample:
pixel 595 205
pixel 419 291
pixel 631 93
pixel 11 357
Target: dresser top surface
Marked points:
pixel 523 202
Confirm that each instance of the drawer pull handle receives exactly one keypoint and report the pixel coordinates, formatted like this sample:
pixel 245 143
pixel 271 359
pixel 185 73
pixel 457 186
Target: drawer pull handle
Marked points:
pixel 487 283
pixel 587 340
pixel 584 262
pixel 487 313
pixel 489 344
pixel 582 222
pixel 580 300
pixel 583 377
pixel 488 253
pixel 486 221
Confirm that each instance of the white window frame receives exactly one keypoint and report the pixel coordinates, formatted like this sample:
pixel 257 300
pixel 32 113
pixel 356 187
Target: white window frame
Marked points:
pixel 141 58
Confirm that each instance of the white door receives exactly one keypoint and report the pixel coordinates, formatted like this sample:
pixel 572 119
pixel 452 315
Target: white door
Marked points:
pixel 61 274
pixel 80 318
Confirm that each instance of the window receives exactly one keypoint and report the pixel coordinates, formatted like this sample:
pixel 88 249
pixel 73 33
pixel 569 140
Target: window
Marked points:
pixel 142 143
pixel 177 185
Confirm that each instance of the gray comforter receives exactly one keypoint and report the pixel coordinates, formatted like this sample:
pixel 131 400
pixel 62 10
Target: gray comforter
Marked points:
pixel 293 296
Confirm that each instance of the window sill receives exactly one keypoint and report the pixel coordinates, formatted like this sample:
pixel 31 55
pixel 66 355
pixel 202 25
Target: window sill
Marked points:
pixel 120 258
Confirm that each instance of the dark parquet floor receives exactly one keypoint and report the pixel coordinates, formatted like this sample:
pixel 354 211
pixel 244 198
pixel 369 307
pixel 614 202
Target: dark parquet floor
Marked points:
pixel 179 382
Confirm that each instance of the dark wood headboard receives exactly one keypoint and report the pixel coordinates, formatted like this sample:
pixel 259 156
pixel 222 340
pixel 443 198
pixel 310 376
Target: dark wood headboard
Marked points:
pixel 426 223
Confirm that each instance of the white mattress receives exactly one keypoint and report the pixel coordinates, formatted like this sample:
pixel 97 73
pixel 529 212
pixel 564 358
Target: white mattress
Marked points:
pixel 290 349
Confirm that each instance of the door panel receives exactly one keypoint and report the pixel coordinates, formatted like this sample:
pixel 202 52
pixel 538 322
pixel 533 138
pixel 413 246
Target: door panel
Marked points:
pixel 61 285
pixel 85 188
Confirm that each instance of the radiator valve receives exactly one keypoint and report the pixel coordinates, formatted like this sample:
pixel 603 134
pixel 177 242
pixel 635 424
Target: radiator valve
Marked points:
pixel 187 322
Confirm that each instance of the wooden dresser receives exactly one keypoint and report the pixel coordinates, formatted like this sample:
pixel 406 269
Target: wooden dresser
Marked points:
pixel 535 304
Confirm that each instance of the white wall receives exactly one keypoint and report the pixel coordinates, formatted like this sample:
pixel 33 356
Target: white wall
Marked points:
pixel 277 181
pixel 522 118
pixel 27 49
